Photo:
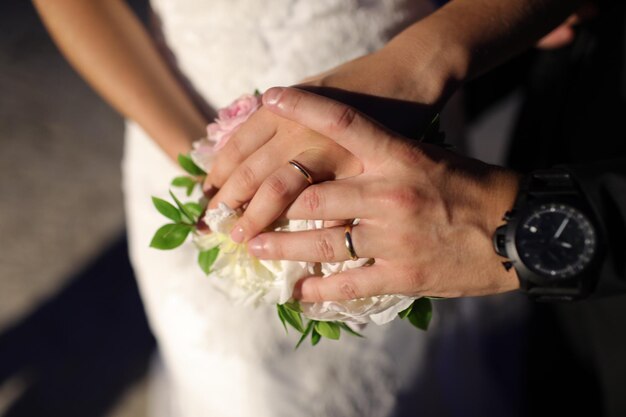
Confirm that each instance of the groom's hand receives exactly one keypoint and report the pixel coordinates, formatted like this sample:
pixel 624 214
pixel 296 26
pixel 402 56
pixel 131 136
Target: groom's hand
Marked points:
pixel 402 94
pixel 255 163
pixel 426 215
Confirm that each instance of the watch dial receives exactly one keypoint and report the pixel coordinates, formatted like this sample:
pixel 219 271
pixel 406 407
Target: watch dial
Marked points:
pixel 556 240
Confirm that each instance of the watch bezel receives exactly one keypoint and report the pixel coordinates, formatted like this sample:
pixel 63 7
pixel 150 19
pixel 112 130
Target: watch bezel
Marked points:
pixel 531 208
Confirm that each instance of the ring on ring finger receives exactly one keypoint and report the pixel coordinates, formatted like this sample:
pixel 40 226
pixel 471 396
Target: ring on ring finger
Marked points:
pixel 347 234
pixel 317 245
pixel 302 170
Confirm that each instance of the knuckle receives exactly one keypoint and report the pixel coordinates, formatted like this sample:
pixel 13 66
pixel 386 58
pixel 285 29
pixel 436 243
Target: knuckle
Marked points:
pixel 233 149
pixel 324 249
pixel 344 119
pixel 404 198
pixel 292 100
pixel 246 178
pixel 312 200
pixel 347 289
pixel 225 162
pixel 277 186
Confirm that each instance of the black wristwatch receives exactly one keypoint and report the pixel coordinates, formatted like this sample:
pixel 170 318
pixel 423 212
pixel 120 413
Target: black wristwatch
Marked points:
pixel 550 238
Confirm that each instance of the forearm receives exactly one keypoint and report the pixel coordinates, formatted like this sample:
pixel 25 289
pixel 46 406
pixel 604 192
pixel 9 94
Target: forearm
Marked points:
pixel 468 37
pixel 109 47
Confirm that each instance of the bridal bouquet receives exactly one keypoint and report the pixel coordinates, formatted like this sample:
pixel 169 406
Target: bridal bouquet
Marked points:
pixel 250 281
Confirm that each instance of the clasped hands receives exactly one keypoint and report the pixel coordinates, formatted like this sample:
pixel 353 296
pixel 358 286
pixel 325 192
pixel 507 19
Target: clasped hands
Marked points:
pixel 426 215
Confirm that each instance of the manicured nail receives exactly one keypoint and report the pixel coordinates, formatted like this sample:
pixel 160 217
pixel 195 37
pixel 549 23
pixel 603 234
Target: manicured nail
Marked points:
pixel 209 191
pixel 255 246
pixel 201 226
pixel 272 95
pixel 237 235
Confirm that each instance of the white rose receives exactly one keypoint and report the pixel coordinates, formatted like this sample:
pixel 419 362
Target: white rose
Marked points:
pixel 242 276
pixel 249 280
pixel 379 310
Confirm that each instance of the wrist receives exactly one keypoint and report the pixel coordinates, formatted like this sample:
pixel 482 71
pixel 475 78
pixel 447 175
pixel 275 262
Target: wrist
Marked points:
pixel 433 64
pixel 484 193
pixel 502 189
pixel 499 196
pixel 175 136
pixel 473 197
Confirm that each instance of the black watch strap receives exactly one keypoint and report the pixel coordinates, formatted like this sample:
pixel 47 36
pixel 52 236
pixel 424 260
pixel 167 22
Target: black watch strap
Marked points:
pixel 547 182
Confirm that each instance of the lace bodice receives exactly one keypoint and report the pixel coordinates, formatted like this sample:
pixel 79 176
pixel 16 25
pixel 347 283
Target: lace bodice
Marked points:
pixel 230 47
pixel 229 361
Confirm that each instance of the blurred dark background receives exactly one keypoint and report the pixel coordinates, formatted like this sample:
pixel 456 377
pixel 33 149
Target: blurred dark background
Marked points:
pixel 73 335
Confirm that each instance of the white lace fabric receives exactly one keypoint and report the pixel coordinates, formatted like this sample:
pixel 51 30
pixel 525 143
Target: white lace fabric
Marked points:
pixel 225 360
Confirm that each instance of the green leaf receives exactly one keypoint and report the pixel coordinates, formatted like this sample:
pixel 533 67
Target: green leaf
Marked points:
pixel 328 329
pixel 257 92
pixel 348 329
pixel 188 165
pixel 206 259
pixel 315 336
pixel 293 306
pixel 194 209
pixel 182 209
pixel 170 236
pixel 308 329
pixel 421 314
pixel 185 182
pixel 405 313
pixel 166 209
pixel 291 317
pixel 281 317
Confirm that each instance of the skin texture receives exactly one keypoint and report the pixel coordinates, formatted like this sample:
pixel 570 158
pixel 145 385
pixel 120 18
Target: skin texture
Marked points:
pixel 426 215
pixel 402 85
pixel 110 48
pixel 418 70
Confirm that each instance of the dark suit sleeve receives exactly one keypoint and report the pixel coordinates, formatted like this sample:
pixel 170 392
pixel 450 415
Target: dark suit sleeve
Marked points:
pixel 604 186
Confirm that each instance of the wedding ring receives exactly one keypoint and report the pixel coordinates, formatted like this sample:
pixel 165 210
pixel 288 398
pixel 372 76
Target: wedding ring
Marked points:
pixel 348 239
pixel 302 170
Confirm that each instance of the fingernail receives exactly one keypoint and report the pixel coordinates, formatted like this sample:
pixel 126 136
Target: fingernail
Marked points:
pixel 256 246
pixel 202 226
pixel 237 234
pixel 272 95
pixel 209 191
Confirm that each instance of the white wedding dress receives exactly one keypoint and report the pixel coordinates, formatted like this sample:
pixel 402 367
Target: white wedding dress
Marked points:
pixel 228 361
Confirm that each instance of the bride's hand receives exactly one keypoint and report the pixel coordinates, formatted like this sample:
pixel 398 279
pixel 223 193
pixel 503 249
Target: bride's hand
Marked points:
pixel 426 215
pixel 255 162
pixel 381 84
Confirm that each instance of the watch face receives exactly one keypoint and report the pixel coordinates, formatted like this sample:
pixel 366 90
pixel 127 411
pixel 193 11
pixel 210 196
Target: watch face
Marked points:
pixel 555 240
